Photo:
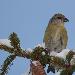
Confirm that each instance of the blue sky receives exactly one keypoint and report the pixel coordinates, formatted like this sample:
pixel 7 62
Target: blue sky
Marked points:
pixel 29 18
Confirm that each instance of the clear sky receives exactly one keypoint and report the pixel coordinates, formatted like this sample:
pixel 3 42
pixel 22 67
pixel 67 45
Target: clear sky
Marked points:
pixel 29 18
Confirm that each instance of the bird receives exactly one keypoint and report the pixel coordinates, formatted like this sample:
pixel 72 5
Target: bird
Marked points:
pixel 55 37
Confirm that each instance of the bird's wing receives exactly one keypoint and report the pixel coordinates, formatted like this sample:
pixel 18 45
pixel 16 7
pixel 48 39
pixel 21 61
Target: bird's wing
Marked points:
pixel 64 38
pixel 52 33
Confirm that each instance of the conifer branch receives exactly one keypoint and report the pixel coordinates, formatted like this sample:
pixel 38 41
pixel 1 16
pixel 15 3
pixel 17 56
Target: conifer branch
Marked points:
pixel 17 52
pixel 6 63
pixel 38 54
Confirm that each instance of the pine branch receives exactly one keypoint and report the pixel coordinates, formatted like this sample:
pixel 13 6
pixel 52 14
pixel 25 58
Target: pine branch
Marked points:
pixel 7 62
pixel 68 71
pixel 38 54
pixel 15 42
pixel 15 49
pixel 17 52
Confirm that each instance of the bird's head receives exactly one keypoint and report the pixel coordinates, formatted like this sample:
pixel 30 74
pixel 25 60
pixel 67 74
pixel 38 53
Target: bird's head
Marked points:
pixel 59 18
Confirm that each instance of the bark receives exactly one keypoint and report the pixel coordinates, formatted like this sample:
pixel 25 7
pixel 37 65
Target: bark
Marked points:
pixel 37 69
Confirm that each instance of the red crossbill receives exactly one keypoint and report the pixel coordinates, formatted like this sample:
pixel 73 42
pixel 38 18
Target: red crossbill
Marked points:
pixel 55 37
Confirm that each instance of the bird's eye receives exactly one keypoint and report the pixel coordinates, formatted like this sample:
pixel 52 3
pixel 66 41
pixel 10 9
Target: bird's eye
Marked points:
pixel 59 17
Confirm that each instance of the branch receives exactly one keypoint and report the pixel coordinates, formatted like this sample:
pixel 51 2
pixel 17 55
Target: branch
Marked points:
pixel 17 52
pixel 12 46
pixel 7 62
pixel 64 60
